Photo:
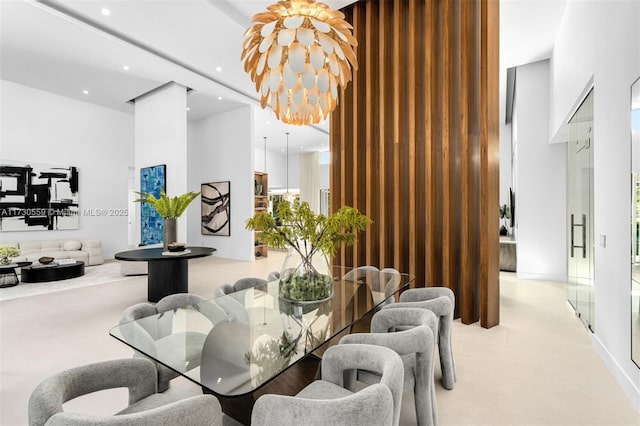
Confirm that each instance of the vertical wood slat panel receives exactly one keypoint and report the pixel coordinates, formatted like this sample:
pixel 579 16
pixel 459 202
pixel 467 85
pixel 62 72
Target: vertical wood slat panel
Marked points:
pixel 472 292
pixel 359 151
pixel 382 208
pixel 422 132
pixel 411 141
pixel 489 140
pixel 436 186
pixel 397 63
pixel 419 144
pixel 371 136
pixel 388 137
pixel 466 308
pixel 431 18
pixel 454 105
pixel 446 71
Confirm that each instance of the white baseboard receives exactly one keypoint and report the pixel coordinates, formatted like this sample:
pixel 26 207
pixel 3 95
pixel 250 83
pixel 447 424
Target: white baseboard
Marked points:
pixel 624 381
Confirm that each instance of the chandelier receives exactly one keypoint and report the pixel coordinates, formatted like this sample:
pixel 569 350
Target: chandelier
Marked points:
pixel 297 53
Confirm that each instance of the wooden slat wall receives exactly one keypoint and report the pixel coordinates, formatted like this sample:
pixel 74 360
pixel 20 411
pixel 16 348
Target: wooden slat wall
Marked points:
pixel 414 143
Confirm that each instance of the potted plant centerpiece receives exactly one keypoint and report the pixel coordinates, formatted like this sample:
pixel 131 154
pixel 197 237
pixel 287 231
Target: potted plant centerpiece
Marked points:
pixel 311 239
pixel 170 208
pixel 7 253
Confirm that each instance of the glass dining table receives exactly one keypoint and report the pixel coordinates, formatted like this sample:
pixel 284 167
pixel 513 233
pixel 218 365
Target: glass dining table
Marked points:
pixel 244 344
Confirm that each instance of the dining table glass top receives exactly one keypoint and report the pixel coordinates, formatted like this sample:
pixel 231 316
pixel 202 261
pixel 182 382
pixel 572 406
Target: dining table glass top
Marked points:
pixel 234 344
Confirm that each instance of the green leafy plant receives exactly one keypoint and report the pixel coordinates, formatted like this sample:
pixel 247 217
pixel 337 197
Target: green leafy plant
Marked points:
pixel 7 253
pixel 168 207
pixel 307 232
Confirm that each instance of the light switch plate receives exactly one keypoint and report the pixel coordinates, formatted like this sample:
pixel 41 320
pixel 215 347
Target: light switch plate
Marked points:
pixel 603 240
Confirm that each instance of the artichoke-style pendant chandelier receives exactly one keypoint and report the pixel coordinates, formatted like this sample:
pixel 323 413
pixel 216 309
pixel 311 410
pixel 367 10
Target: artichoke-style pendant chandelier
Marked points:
pixel 297 53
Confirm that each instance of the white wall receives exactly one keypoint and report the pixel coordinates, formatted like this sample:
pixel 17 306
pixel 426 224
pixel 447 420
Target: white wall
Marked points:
pixel 277 168
pixel 220 148
pixel 541 180
pixel 42 127
pixel 601 39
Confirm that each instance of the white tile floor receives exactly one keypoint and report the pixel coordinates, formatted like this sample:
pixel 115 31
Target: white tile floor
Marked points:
pixel 537 368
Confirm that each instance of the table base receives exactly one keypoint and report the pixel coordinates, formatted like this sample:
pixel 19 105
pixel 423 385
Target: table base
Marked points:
pixel 8 279
pixel 167 277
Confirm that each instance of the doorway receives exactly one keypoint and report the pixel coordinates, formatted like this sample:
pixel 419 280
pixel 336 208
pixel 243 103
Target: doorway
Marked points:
pixel 580 257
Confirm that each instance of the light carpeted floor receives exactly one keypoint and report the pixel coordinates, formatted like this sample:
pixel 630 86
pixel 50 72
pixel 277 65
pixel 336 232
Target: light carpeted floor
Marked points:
pixel 536 368
pixel 93 275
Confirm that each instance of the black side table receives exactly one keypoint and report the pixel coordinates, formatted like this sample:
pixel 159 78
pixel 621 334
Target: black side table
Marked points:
pixel 8 276
pixel 168 273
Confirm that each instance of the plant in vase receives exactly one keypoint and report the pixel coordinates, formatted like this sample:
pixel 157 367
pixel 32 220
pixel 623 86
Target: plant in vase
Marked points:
pixel 7 253
pixel 170 208
pixel 311 239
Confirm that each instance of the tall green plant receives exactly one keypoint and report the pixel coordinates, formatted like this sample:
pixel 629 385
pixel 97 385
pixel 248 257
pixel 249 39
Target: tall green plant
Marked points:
pixel 168 207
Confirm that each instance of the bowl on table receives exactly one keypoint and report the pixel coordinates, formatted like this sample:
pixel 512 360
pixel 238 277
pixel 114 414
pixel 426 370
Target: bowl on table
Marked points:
pixel 45 260
pixel 175 247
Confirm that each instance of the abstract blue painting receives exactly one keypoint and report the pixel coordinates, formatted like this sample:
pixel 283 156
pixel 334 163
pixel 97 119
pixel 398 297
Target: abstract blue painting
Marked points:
pixel 152 180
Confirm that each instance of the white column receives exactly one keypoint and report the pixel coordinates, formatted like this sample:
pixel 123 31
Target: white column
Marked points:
pixel 161 138
pixel 309 178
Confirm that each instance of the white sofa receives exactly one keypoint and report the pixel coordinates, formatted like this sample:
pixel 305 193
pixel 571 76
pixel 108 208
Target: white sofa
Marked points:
pixel 88 251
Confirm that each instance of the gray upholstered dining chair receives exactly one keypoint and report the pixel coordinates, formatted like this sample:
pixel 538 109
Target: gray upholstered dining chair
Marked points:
pixel 157 336
pixel 441 301
pixel 241 284
pixel 382 282
pixel 416 346
pixel 328 402
pixel 146 407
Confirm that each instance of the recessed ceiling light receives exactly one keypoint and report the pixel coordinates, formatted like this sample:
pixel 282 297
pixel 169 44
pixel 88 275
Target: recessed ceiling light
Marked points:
pixel 268 122
pixel 219 69
pixel 86 92
pixel 282 149
pixel 219 98
pixel 188 109
pixel 125 67
pixel 105 11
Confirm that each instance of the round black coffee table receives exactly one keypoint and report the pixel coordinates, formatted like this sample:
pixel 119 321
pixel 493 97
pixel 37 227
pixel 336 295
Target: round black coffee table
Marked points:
pixel 42 273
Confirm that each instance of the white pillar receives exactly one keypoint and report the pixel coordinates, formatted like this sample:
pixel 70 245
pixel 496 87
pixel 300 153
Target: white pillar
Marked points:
pixel 161 138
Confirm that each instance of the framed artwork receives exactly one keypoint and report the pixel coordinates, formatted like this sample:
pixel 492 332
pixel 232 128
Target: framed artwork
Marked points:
pixel 152 180
pixel 38 197
pixel 216 208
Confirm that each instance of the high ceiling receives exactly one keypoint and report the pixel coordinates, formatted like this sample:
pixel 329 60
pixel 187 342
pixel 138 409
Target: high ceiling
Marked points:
pixel 70 46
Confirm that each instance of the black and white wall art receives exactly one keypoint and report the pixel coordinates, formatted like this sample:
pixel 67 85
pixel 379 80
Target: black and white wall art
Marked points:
pixel 37 196
pixel 216 203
